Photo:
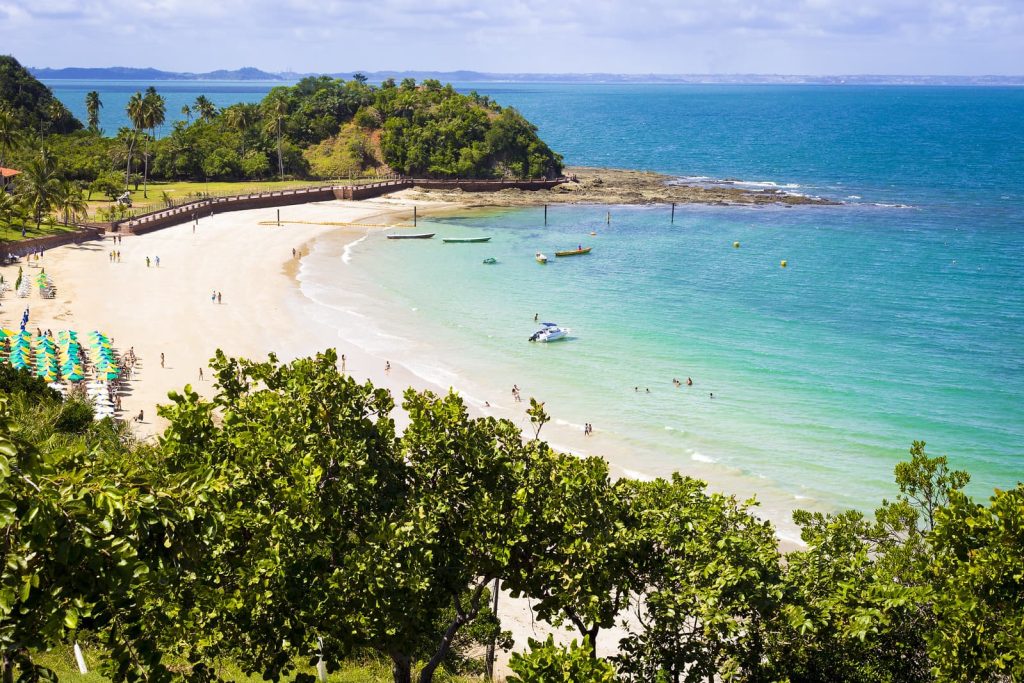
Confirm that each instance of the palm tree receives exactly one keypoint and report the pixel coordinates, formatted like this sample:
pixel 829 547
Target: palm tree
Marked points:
pixel 154 112
pixel 204 108
pixel 92 110
pixel 37 185
pixel 136 110
pixel 186 111
pixel 10 137
pixel 68 199
pixel 8 207
pixel 277 111
pixel 242 117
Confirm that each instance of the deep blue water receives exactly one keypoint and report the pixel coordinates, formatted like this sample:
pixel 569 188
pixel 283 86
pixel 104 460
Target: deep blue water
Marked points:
pixel 900 316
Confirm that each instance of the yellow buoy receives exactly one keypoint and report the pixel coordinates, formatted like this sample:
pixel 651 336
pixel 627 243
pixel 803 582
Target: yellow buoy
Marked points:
pixel 782 263
pixel 736 244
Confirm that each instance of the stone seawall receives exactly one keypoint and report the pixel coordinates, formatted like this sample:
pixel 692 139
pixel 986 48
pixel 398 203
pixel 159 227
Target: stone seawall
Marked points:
pixel 23 247
pixel 262 200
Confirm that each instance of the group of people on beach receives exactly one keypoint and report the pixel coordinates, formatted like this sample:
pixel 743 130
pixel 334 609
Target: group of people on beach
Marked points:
pixel 156 259
pixel 215 297
pixel 515 394
pixel 115 255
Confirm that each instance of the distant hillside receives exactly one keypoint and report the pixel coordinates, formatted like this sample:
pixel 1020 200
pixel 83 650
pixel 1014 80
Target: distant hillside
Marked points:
pixel 32 103
pixel 121 73
pixel 126 73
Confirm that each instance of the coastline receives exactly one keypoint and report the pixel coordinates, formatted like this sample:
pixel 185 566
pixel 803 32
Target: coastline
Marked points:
pixel 168 310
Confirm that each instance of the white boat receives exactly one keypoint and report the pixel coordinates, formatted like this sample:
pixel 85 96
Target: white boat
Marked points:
pixel 541 258
pixel 549 332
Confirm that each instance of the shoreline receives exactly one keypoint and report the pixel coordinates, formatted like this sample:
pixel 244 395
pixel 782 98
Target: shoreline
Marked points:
pixel 167 310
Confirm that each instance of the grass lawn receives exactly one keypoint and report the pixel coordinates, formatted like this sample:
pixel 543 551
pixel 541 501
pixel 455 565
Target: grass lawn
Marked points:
pixel 181 190
pixel 12 233
pixel 62 661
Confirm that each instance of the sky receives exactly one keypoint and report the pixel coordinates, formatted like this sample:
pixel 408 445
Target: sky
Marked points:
pixel 813 37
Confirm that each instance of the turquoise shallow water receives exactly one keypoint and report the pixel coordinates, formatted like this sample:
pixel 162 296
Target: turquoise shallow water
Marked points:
pixel 823 372
pixel 900 316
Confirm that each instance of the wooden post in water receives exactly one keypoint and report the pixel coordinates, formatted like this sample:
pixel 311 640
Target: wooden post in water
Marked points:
pixel 279 218
pixel 608 218
pixel 673 212
pixel 414 216
pixel 545 214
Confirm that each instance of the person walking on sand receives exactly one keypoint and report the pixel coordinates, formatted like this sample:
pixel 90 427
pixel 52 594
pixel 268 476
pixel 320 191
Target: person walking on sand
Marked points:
pixel 342 355
pixel 387 367
pixel 147 262
pixel 200 374
pixel 161 359
pixel 218 297
pixel 157 261
pixel 213 297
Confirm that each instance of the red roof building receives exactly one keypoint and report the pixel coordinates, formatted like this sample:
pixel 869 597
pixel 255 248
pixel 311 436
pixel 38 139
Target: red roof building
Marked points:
pixel 8 172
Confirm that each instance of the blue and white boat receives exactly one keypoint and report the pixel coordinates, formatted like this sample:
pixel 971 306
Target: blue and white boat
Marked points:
pixel 549 332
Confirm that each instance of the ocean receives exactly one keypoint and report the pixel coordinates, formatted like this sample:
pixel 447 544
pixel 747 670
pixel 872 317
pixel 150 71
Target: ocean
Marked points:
pixel 899 316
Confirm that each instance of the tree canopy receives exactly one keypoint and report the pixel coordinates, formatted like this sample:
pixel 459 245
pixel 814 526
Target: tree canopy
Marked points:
pixel 287 520
pixel 33 104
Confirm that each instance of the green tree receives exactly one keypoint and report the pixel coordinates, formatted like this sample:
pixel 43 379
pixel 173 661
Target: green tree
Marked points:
pixel 204 108
pixel 38 185
pixel 136 110
pixel 93 104
pixel 710 581
pixel 275 111
pixel 83 535
pixel 68 200
pixel 154 111
pixel 11 137
pixel 584 572
pixel 242 117
pixel 979 580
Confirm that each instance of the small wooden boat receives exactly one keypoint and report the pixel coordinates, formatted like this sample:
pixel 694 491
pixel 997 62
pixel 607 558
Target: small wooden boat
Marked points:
pixel 419 236
pixel 541 258
pixel 465 240
pixel 574 252
pixel 490 261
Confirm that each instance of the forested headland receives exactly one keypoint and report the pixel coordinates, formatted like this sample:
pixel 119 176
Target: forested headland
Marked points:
pixel 319 128
pixel 286 520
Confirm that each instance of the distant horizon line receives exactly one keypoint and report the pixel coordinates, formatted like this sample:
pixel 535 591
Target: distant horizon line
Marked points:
pixel 253 73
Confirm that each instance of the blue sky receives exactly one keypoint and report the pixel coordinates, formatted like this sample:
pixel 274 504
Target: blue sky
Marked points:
pixel 636 36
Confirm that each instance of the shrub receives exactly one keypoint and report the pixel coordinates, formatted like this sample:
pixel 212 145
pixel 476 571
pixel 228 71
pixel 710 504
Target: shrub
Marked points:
pixel 549 662
pixel 75 417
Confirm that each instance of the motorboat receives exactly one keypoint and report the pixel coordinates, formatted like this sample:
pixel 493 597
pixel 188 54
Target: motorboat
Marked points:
pixel 549 332
pixel 490 261
pixel 465 240
pixel 541 258
pixel 574 252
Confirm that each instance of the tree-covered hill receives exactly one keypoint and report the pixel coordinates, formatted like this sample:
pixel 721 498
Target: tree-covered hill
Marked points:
pixel 32 103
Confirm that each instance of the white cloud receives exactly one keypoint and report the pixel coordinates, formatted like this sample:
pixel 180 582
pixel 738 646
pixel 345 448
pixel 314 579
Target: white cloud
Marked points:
pixel 520 35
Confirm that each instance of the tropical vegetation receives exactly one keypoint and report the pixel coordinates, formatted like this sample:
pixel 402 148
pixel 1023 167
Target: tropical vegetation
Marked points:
pixel 286 521
pixel 320 128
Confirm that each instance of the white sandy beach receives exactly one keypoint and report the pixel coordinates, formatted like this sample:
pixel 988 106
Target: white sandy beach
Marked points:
pixel 168 310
